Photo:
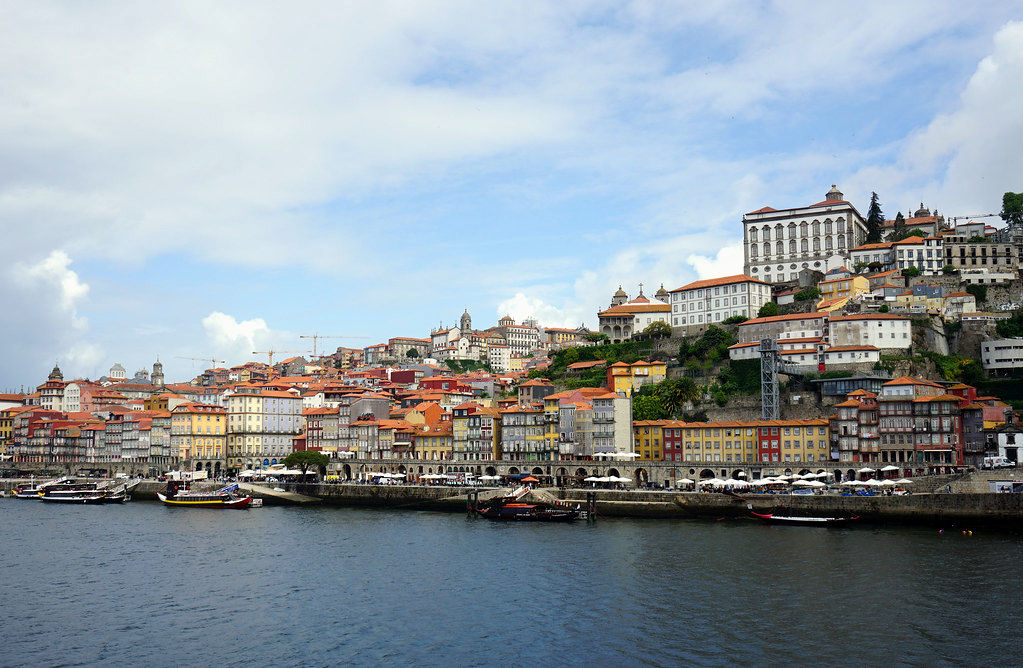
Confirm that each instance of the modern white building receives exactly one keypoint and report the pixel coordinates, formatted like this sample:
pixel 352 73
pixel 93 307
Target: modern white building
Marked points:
pixel 1002 355
pixel 792 326
pixel 778 243
pixel 717 299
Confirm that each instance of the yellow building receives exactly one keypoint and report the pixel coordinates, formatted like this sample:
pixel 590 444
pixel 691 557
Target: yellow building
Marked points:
pixel 434 443
pixel 794 440
pixel 838 288
pixel 647 439
pixel 919 302
pixel 717 441
pixel 199 436
pixel 628 378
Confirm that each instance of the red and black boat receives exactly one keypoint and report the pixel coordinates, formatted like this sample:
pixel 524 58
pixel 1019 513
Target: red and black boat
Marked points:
pixel 512 508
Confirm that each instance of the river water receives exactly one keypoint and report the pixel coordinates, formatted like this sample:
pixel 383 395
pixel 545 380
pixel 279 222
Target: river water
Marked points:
pixel 155 586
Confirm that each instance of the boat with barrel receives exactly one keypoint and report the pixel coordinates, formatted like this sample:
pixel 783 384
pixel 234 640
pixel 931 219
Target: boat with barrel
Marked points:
pixel 514 507
pixel 183 496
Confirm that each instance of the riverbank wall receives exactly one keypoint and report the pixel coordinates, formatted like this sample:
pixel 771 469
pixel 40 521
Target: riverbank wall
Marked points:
pixel 964 508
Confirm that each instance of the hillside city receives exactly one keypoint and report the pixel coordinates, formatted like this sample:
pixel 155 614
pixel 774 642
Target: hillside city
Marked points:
pixel 847 338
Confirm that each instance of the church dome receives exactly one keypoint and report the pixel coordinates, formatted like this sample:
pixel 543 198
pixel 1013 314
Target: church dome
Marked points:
pixel 56 373
pixel 620 292
pixel 835 195
pixel 662 294
pixel 922 212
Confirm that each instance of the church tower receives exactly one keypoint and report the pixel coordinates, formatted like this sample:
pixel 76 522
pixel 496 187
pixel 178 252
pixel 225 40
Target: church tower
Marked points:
pixel 619 297
pixel 56 373
pixel 465 324
pixel 157 377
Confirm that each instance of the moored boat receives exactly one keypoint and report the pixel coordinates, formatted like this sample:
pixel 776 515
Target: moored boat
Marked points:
pixel 184 497
pixel 772 518
pixel 512 508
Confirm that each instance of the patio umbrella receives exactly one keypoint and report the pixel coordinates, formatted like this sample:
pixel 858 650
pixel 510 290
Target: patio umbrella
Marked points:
pixel 624 479
pixel 591 479
pixel 889 483
pixel 872 482
pixel 816 483
pixel 802 483
pixel 851 483
pixel 684 481
pixel 865 469
pixel 889 468
pixel 904 481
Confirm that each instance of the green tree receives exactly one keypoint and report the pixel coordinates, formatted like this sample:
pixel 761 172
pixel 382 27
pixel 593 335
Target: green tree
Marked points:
pixel 875 220
pixel 597 337
pixel 979 292
pixel 648 407
pixel 898 229
pixel 734 320
pixel 307 459
pixel 768 310
pixel 883 308
pixel 911 272
pixel 1012 327
pixel 948 269
pixel 412 352
pixel 977 239
pixel 808 294
pixel 1012 208
pixel 657 330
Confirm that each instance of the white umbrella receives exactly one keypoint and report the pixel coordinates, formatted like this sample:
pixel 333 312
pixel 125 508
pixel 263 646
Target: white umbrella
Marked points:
pixel 591 479
pixel 802 483
pixel 890 483
pixel 816 483
pixel 904 481
pixel 624 479
pixel 865 469
pixel 741 474
pixel 872 482
pixel 684 481
pixel 851 483
pixel 889 468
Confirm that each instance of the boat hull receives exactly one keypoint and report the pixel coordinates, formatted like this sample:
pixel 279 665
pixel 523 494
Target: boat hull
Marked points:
pixel 241 502
pixel 771 518
pixel 77 498
pixel 528 514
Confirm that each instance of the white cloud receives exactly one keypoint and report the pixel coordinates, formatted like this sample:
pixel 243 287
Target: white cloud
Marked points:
pixel 43 300
pixel 521 307
pixel 236 340
pixel 728 261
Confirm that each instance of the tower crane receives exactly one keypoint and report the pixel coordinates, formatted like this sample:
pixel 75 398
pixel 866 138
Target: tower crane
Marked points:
pixel 316 337
pixel 982 215
pixel 201 359
pixel 270 354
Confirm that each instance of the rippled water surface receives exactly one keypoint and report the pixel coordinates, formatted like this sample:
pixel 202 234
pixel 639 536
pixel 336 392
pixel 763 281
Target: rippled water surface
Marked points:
pixel 158 586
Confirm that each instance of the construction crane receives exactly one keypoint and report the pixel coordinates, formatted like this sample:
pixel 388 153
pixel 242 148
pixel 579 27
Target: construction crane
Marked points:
pixel 982 215
pixel 270 354
pixel 316 337
pixel 212 361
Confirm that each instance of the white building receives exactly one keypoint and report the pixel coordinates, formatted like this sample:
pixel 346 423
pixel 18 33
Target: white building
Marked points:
pixel 716 299
pixel 880 255
pixel 792 326
pixel 499 357
pixel 621 321
pixel 851 355
pixel 1002 355
pixel 924 253
pixel 778 243
pixel 261 426
pixel 881 330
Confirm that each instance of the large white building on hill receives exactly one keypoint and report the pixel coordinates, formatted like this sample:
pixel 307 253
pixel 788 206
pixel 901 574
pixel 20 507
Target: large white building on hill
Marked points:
pixel 778 243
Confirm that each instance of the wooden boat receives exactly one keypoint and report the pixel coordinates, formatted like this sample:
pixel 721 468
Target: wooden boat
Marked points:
pixel 511 508
pixel 73 495
pixel 33 491
pixel 772 518
pixel 184 497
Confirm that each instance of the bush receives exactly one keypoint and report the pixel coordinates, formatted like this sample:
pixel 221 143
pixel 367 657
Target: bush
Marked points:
pixel 808 294
pixel 768 310
pixel 883 308
pixel 1012 327
pixel 911 272
pixel 979 292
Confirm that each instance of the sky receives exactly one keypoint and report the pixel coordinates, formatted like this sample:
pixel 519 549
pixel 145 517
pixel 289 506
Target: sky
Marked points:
pixel 205 180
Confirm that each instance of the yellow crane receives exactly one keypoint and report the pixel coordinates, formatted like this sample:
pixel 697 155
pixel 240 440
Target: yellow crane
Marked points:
pixel 316 337
pixel 211 360
pixel 270 354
